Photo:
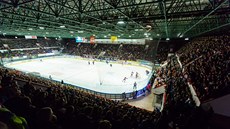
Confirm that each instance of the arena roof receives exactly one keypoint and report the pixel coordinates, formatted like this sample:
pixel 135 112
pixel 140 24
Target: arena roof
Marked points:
pixel 122 18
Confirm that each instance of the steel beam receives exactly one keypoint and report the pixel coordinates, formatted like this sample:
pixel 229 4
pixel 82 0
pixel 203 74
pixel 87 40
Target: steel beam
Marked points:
pixel 203 18
pixel 215 28
pixel 124 14
pixel 53 22
pixel 11 5
pixel 124 6
pixel 66 19
pixel 163 9
pixel 80 10
pixel 45 13
pixel 81 15
pixel 168 18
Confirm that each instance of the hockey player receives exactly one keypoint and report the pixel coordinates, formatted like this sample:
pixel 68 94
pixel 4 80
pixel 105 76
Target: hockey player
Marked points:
pixel 125 78
pixel 135 86
pixel 50 77
pixel 131 74
pixel 137 74
pixel 147 72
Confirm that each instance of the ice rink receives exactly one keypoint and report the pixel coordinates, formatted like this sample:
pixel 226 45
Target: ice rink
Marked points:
pixel 100 77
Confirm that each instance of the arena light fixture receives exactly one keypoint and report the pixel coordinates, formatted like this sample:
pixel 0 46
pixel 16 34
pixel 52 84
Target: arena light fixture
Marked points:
pixel 178 35
pixel 130 36
pixel 158 34
pixel 148 26
pixel 186 39
pixel 71 32
pixel 147 34
pixel 30 29
pixel 16 37
pixel 118 36
pixel 42 28
pixel 105 36
pixel 80 31
pixel 62 26
pixel 167 39
pixel 120 22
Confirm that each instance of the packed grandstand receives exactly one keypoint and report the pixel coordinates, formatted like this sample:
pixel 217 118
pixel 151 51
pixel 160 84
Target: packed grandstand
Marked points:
pixel 28 101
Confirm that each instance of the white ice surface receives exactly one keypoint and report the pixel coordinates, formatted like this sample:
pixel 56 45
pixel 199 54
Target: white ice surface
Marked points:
pixel 78 72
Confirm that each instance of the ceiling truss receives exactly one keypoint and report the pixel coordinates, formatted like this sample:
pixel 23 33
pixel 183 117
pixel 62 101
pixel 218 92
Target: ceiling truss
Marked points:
pixel 142 18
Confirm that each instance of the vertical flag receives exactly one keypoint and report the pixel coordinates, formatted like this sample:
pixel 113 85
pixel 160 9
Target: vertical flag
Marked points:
pixel 92 39
pixel 113 38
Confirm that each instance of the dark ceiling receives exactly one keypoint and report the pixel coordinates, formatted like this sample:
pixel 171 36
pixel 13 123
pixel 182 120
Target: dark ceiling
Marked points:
pixel 142 18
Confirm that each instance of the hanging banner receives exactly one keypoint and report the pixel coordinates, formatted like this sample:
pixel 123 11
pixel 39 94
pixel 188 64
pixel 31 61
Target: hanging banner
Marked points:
pixel 119 41
pixel 92 39
pixel 79 39
pixel 113 38
pixel 30 37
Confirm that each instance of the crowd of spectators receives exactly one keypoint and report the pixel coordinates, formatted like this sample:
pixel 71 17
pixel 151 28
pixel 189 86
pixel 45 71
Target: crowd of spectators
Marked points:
pixel 115 51
pixel 206 66
pixel 162 52
pixel 121 51
pixel 22 47
pixel 20 43
pixel 55 106
pixel 206 61
pixel 28 53
pixel 111 51
pixel 179 105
